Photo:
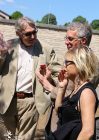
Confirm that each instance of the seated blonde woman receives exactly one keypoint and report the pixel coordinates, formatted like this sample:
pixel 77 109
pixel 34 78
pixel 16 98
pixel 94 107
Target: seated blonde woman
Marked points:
pixel 76 112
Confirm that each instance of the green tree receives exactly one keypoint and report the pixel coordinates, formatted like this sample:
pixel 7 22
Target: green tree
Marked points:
pixel 80 19
pixel 16 15
pixel 95 24
pixel 66 23
pixel 38 21
pixel 49 19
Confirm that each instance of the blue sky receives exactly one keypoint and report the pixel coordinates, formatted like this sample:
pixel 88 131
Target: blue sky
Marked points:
pixel 64 10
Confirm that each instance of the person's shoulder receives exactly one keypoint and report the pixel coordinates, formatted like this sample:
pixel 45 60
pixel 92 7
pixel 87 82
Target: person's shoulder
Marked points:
pixel 88 91
pixel 14 41
pixel 45 47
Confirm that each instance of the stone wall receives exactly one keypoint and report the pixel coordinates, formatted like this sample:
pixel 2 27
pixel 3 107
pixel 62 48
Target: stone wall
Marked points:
pixel 51 35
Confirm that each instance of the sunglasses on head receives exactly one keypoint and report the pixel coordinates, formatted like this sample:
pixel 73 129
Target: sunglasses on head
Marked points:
pixel 67 62
pixel 30 33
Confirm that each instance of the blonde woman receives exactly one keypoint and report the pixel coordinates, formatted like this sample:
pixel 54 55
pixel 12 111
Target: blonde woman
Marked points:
pixel 77 111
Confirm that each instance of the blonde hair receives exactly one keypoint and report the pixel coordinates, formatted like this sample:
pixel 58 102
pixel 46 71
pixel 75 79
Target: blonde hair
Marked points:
pixel 85 61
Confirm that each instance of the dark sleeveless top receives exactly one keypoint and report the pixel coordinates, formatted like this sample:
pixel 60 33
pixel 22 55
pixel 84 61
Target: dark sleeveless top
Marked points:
pixel 70 123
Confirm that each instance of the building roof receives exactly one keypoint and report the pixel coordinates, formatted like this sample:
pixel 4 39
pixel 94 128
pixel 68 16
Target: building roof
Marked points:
pixel 4 13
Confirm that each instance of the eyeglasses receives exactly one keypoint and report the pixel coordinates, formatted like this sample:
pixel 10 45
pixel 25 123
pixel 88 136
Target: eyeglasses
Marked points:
pixel 67 62
pixel 69 38
pixel 29 34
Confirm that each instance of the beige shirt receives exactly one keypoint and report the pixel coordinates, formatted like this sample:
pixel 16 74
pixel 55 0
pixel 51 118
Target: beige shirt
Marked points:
pixel 24 73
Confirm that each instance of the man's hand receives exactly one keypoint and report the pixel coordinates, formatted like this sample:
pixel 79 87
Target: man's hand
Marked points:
pixel 4 45
pixel 44 79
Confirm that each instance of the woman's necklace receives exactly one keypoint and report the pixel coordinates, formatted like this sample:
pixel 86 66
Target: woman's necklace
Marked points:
pixel 77 87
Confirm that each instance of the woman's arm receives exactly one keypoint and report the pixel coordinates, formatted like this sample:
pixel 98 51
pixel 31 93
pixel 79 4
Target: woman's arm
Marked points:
pixel 59 98
pixel 62 85
pixel 87 106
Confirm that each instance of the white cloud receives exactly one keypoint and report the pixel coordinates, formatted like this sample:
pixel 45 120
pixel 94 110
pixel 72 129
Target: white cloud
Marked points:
pixel 10 1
